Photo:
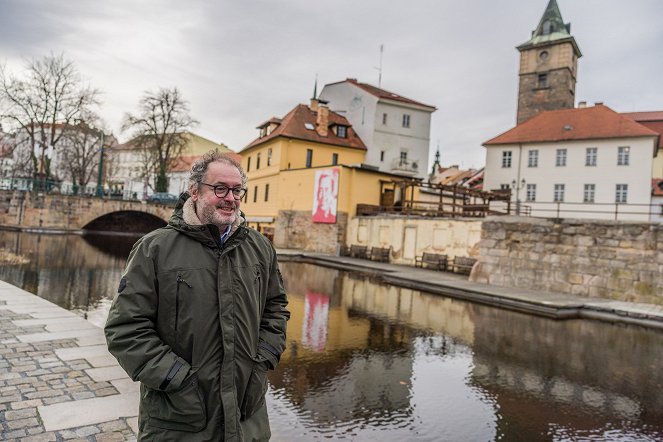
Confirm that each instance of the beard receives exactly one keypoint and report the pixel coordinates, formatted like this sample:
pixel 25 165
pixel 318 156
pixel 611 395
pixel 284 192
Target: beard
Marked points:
pixel 210 214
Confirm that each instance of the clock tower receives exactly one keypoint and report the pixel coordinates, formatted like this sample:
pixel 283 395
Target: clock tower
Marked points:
pixel 548 66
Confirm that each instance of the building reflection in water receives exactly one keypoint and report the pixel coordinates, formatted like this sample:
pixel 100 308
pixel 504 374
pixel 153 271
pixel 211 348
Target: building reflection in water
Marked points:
pixel 367 361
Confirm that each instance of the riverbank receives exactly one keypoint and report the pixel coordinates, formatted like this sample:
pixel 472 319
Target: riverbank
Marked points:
pixel 58 381
pixel 541 303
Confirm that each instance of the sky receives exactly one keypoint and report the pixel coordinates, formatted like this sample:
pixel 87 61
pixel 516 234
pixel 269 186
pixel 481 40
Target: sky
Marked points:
pixel 238 63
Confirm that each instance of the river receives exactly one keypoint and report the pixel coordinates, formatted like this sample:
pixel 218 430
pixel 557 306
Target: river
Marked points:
pixel 369 362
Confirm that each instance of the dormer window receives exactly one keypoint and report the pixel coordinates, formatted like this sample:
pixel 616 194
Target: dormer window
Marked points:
pixel 263 131
pixel 341 131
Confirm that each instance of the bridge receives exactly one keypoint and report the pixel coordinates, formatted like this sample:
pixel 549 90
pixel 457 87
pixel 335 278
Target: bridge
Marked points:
pixel 48 211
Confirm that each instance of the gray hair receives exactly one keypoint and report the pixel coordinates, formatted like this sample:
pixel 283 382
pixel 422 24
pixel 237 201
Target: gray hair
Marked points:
pixel 199 168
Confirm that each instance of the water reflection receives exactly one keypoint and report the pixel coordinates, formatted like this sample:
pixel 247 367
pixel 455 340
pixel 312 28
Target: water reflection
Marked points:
pixel 65 270
pixel 370 362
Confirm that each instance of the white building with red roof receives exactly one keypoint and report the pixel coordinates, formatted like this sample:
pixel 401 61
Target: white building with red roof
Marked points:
pixel 395 129
pixel 586 162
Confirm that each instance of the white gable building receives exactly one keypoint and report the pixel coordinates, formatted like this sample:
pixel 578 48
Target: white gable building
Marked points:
pixel 395 129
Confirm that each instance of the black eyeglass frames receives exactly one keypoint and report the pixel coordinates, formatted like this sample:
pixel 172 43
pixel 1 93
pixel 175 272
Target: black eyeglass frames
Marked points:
pixel 221 190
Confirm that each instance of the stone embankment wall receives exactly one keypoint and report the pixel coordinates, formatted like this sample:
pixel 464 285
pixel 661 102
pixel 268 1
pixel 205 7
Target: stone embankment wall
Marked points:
pixel 295 230
pixel 602 259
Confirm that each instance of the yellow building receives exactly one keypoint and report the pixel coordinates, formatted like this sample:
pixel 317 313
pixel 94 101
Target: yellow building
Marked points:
pixel 282 165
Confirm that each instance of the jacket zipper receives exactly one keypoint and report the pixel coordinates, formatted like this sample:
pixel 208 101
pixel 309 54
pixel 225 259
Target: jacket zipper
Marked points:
pixel 177 298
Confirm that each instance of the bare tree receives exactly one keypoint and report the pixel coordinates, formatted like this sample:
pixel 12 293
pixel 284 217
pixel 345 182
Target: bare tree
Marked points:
pixel 80 150
pixel 159 131
pixel 49 96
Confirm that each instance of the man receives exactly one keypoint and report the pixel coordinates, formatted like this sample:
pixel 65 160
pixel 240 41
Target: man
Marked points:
pixel 200 315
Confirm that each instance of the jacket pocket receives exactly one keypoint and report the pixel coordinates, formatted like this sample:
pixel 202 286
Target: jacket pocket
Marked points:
pixel 254 397
pixel 182 409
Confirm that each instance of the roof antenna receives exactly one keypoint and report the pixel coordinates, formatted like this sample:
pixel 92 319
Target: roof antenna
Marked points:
pixel 380 68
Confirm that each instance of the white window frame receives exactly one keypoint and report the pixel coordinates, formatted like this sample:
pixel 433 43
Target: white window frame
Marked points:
pixel 621 193
pixel 406 120
pixel 560 157
pixel 558 193
pixel 591 156
pixel 623 155
pixel 589 193
pixel 533 158
pixel 530 193
pixel 507 157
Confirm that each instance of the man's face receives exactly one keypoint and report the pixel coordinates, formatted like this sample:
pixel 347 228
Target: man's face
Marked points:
pixel 210 208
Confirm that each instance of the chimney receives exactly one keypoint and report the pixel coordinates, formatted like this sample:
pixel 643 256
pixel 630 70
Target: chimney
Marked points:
pixel 582 104
pixel 598 103
pixel 314 104
pixel 323 119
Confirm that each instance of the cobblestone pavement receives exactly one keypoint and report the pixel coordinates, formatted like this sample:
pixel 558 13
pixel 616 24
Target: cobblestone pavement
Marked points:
pixel 57 380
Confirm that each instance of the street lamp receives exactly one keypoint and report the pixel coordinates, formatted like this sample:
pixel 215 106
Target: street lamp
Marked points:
pixel 100 190
pixel 516 185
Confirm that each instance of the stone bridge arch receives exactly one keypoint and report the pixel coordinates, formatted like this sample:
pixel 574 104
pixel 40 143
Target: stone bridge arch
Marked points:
pixel 68 212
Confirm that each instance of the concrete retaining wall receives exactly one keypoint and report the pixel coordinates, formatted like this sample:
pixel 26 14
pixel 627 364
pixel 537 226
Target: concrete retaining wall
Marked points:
pixel 603 259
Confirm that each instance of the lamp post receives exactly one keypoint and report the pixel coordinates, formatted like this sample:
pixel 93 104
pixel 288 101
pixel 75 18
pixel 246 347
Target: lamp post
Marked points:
pixel 518 185
pixel 100 190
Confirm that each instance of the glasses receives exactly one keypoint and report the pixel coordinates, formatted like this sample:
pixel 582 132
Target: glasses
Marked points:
pixel 221 191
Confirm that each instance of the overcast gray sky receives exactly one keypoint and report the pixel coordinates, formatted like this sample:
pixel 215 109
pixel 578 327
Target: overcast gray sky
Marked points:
pixel 239 63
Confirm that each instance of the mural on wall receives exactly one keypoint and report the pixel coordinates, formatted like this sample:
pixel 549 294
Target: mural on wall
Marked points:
pixel 325 196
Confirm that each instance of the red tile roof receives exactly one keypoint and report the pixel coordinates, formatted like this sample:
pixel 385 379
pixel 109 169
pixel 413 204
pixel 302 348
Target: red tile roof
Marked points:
pixel 293 126
pixel 597 122
pixel 652 120
pixel 381 93
pixel 183 163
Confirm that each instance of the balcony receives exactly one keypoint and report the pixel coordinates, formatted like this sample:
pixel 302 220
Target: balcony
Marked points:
pixel 405 166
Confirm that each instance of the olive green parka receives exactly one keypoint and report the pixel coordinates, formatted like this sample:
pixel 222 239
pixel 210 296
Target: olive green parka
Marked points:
pixel 199 325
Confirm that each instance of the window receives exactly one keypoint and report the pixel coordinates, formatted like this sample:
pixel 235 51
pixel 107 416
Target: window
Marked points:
pixel 506 158
pixel 547 27
pixel 246 196
pixel 623 155
pixel 533 158
pixel 590 156
pixel 505 186
pixel 406 120
pixel 543 80
pixel 384 118
pixel 531 192
pixel 255 193
pixel 334 159
pixel 382 155
pixel 588 193
pixel 269 156
pixel 258 161
pixel 248 164
pixel 560 158
pixel 558 196
pixel 621 193
pixel 309 157
pixel 403 158
pixel 341 131
pixel 266 192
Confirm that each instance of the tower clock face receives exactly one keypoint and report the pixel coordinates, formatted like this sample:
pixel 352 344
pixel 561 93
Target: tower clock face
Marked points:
pixel 543 55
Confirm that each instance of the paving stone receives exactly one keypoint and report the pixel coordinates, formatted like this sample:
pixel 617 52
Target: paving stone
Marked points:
pixel 87 431
pixel 15 434
pixel 88 411
pixel 106 373
pixel 67 354
pixel 20 414
pixel 45 437
pixel 26 404
pixel 22 423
